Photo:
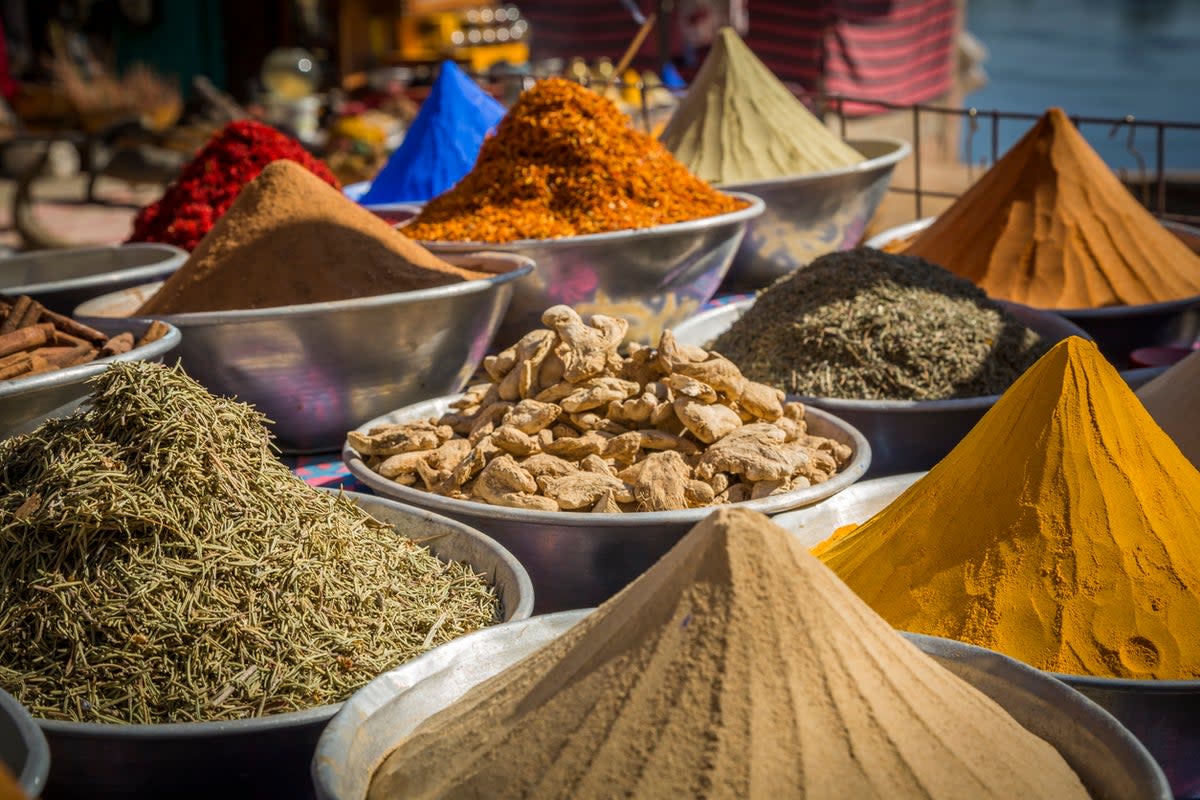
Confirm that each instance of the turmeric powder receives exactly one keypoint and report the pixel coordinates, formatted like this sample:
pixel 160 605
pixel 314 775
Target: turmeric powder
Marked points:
pixel 1051 226
pixel 1061 531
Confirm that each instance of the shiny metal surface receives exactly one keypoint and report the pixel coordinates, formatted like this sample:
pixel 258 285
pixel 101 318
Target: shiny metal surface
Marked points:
pixel 655 277
pixel 23 748
pixel 1117 330
pixel 1110 763
pixel 854 506
pixel 580 559
pixel 905 435
pixel 253 758
pixel 319 369
pixel 1163 715
pixel 390 212
pixel 27 402
pixel 62 279
pixel 810 215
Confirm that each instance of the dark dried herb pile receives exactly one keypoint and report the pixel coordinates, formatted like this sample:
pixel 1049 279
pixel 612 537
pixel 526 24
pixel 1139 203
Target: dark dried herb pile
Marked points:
pixel 159 564
pixel 869 325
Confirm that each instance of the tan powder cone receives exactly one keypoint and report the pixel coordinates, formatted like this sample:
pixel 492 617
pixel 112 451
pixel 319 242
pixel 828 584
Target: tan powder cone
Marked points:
pixel 290 238
pixel 1051 226
pixel 736 667
pixel 739 123
pixel 1060 531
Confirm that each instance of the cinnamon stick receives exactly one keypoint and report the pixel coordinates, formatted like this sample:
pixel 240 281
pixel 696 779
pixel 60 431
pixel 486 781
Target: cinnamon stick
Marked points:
pixel 74 327
pixel 154 332
pixel 64 339
pixel 25 338
pixel 32 315
pixel 16 369
pixel 15 313
pixel 121 343
pixel 42 361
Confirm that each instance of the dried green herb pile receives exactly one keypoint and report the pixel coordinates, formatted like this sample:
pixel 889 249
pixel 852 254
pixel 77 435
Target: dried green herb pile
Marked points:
pixel 869 325
pixel 159 564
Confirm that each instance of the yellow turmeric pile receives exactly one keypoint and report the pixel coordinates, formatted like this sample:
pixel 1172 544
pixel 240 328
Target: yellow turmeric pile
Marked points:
pixel 1062 531
pixel 1051 226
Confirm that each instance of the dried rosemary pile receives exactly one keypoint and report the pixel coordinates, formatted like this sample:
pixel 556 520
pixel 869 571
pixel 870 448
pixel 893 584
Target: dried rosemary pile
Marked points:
pixel 869 325
pixel 161 565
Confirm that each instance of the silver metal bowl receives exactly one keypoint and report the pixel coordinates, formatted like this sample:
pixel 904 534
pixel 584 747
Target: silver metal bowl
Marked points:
pixel 1117 330
pixel 23 748
pixel 319 369
pixel 26 403
pixel 810 215
pixel 580 559
pixel 62 279
pixel 252 758
pixel 393 213
pixel 653 277
pixel 1110 762
pixel 905 435
pixel 1164 715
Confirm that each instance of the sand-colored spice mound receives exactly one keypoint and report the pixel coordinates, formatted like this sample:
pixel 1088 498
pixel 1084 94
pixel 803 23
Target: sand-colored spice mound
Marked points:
pixel 739 123
pixel 565 162
pixel 1061 531
pixel 736 667
pixel 1051 226
pixel 1172 399
pixel 289 239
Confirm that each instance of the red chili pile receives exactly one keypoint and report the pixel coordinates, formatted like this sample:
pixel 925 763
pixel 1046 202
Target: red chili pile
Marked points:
pixel 210 182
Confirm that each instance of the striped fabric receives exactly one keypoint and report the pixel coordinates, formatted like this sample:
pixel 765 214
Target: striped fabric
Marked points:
pixel 899 51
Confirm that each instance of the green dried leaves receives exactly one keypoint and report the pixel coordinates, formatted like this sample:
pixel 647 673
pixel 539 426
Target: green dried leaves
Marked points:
pixel 161 565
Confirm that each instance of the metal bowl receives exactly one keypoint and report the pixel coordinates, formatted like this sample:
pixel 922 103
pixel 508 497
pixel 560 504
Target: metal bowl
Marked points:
pixel 653 277
pixel 62 279
pixel 319 369
pixel 1164 715
pixel 810 215
pixel 23 748
pixel 393 213
pixel 252 758
pixel 1110 763
pixel 26 403
pixel 905 435
pixel 580 559
pixel 1117 330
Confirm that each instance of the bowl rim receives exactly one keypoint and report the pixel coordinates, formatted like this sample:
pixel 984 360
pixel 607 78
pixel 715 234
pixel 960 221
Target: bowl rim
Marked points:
pixel 879 240
pixel 521 266
pixel 859 405
pixel 171 255
pixel 253 725
pixel 860 461
pixel 32 777
pixel 901 149
pixel 756 206
pixel 16 387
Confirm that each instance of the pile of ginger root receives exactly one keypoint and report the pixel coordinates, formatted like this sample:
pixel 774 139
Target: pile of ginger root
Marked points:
pixel 567 423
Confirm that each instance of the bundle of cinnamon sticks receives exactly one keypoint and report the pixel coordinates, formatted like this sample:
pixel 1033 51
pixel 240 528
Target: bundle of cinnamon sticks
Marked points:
pixel 34 339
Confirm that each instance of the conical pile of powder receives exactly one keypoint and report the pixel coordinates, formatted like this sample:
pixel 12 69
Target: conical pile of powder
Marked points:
pixel 1172 399
pixel 291 239
pixel 441 144
pixel 739 123
pixel 1051 226
pixel 737 666
pixel 1060 531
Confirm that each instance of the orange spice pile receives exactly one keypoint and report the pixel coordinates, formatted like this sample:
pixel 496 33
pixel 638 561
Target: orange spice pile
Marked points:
pixel 1050 225
pixel 566 162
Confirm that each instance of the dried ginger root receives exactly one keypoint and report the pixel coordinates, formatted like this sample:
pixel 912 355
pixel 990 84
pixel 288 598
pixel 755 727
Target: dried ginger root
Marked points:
pixel 565 423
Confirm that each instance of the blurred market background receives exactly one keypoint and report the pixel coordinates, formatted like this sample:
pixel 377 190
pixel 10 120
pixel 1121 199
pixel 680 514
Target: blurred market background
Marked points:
pixel 105 99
